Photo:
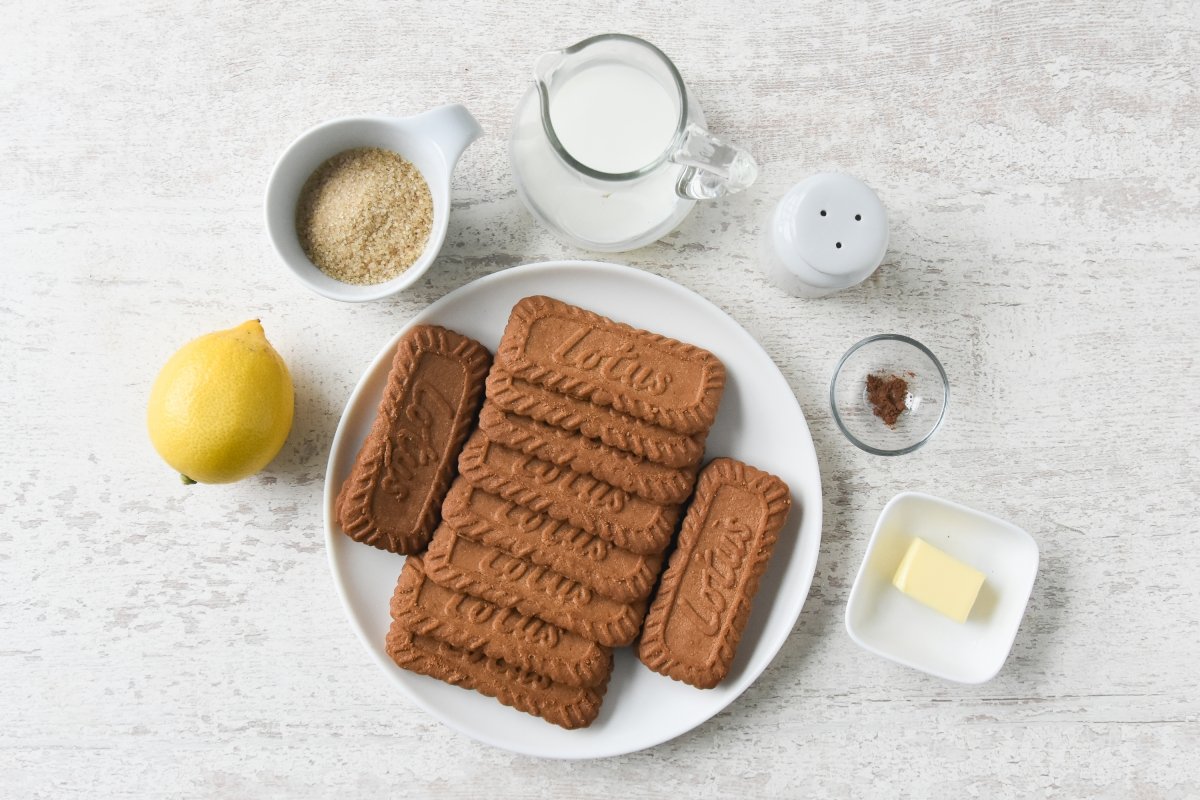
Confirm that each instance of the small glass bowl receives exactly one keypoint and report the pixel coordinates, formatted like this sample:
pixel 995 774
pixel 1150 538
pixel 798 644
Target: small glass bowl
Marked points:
pixel 928 394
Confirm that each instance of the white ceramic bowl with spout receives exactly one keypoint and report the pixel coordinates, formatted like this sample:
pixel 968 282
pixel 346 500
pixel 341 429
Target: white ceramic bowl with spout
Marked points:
pixel 432 141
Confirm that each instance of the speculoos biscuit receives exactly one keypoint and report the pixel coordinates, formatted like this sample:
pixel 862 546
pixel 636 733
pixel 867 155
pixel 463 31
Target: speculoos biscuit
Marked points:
pixel 574 553
pixel 636 475
pixel 472 623
pixel 569 707
pixel 651 442
pixel 392 497
pixel 590 357
pixel 696 620
pixel 628 521
pixel 465 565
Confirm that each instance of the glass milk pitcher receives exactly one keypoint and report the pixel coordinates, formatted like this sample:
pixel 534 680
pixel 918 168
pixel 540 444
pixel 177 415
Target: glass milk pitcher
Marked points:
pixel 609 148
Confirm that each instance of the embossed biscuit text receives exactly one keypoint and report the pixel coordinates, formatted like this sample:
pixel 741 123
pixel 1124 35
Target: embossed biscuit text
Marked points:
pixel 506 621
pixel 503 567
pixel 550 531
pixel 412 447
pixel 719 566
pixel 613 359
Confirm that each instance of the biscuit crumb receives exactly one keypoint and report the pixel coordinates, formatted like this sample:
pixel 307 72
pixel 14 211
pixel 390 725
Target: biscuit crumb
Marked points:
pixel 364 216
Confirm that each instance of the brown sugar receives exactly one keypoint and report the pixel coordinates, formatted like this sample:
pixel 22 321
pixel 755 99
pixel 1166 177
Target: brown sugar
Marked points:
pixel 364 216
pixel 887 395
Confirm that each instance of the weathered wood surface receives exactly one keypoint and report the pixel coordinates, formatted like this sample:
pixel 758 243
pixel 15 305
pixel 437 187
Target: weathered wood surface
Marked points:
pixel 1040 164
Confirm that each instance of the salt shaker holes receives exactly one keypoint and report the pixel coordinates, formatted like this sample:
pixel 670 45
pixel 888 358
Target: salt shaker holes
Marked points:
pixel 827 233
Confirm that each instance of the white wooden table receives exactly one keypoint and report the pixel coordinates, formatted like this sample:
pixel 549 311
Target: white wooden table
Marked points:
pixel 1040 164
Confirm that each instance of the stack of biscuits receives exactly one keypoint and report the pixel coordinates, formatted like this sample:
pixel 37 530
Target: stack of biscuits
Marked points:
pixel 552 535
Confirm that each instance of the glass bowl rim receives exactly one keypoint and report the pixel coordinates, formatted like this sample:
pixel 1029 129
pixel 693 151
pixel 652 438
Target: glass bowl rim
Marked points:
pixel 837 370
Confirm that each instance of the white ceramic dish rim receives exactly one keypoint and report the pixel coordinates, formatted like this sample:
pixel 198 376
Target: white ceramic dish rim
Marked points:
pixel 854 589
pixel 771 649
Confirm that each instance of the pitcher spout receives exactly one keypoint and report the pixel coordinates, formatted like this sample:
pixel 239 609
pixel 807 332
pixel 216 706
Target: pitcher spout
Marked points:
pixel 546 64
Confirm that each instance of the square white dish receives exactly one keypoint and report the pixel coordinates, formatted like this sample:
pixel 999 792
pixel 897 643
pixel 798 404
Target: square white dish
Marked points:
pixel 884 620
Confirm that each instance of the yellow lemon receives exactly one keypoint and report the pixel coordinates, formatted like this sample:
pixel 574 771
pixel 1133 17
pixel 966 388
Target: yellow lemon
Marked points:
pixel 222 406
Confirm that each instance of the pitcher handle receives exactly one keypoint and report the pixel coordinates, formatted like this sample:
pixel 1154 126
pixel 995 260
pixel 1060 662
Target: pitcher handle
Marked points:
pixel 713 167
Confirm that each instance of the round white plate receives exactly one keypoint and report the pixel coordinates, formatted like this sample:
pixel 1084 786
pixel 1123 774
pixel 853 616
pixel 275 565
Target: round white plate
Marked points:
pixel 759 422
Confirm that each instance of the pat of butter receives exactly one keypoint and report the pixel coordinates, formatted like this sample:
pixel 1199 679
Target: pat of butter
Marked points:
pixel 941 582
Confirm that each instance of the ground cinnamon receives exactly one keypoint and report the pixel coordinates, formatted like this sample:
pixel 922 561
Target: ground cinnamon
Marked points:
pixel 886 395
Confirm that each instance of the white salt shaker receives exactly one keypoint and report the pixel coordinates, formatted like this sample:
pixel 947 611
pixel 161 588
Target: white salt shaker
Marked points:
pixel 828 233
